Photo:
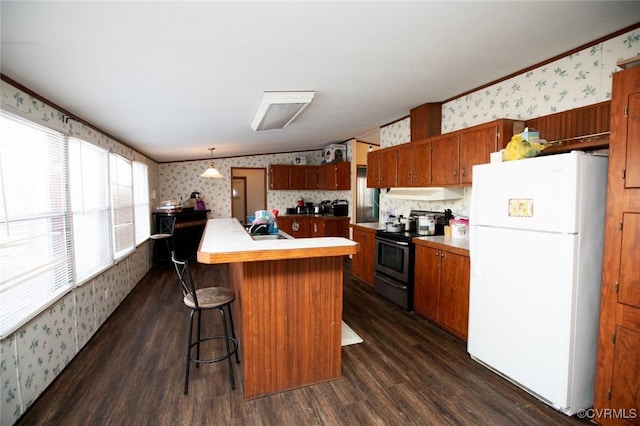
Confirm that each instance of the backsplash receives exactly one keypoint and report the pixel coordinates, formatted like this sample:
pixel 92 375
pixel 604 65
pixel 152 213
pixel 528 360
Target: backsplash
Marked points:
pixel 577 80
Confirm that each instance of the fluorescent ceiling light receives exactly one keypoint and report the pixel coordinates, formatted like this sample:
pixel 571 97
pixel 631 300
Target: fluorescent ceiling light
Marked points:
pixel 278 109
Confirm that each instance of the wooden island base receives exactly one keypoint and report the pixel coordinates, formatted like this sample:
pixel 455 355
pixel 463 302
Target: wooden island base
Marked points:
pixel 288 307
pixel 289 321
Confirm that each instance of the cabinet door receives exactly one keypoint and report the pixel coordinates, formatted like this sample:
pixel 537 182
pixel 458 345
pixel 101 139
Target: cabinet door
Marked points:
pixel 337 227
pixel 454 293
pixel 312 177
pixel 343 176
pixel 629 292
pixel 317 227
pixel 405 164
pixel 426 292
pixel 299 227
pixel 388 167
pixel 327 177
pixel 475 148
pixel 279 176
pixel 421 164
pixel 297 177
pixel 632 177
pixel 362 263
pixel 444 161
pixel 625 382
pixel 373 169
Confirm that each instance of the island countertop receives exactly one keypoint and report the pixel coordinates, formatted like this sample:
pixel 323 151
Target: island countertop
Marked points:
pixel 226 241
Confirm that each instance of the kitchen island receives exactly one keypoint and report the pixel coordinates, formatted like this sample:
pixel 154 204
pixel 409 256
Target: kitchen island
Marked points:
pixel 288 308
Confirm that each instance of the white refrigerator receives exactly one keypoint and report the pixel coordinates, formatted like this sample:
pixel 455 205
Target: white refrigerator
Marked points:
pixel 535 241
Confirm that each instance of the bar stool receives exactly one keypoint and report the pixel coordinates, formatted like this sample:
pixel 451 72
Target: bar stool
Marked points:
pixel 165 228
pixel 202 299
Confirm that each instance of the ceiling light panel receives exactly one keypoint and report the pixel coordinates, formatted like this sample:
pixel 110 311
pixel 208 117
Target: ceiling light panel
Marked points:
pixel 278 109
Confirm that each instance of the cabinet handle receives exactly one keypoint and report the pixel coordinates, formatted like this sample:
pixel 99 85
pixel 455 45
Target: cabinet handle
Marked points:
pixel 455 172
pixel 464 172
pixel 437 253
pixel 315 227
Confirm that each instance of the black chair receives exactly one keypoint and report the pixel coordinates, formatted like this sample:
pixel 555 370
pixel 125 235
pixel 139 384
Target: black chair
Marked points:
pixel 165 228
pixel 198 300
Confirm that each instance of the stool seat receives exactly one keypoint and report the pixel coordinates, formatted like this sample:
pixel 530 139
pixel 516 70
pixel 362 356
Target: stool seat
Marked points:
pixel 210 297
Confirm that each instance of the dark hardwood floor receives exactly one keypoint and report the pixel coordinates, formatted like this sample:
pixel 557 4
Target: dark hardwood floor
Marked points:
pixel 407 371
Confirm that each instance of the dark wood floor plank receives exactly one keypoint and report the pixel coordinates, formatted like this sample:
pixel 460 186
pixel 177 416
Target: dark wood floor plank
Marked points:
pixel 407 372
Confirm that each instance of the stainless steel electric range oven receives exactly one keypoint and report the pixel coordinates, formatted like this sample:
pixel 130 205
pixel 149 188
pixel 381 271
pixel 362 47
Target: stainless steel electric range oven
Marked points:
pixel 395 256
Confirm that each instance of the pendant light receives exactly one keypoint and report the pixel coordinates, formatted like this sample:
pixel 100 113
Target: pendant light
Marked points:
pixel 211 172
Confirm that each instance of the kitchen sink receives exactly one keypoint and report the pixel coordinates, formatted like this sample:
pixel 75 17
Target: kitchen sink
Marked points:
pixel 269 237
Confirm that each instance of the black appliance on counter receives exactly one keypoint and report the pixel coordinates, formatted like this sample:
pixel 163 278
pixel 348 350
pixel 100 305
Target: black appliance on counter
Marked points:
pixel 395 258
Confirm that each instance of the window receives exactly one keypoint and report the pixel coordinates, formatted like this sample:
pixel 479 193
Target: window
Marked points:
pixel 35 242
pixel 89 188
pixel 122 205
pixel 141 201
pixel 67 211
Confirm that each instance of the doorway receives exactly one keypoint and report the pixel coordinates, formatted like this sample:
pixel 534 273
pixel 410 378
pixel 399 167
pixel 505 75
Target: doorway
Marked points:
pixel 248 192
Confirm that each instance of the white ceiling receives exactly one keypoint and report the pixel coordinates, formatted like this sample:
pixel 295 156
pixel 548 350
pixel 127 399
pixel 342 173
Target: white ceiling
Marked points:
pixel 172 79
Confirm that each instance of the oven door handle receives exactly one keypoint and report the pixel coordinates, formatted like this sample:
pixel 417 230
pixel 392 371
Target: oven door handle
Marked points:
pixel 400 243
pixel 401 287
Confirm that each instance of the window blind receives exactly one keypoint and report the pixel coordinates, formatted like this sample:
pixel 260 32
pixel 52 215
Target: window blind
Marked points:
pixel 141 201
pixel 35 243
pixel 122 205
pixel 90 206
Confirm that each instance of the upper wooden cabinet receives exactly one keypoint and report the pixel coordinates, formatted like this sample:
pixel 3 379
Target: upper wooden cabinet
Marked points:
pixel 326 177
pixel 617 384
pixel 426 121
pixel 279 176
pixel 414 164
pixel 335 176
pixel 382 168
pixel 444 160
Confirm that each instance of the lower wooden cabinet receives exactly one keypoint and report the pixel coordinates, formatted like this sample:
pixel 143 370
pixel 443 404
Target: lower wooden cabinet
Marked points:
pixel 307 226
pixel 441 286
pixel 363 263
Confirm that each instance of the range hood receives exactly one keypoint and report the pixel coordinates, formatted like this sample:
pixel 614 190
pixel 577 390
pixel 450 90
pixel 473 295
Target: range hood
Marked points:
pixel 426 194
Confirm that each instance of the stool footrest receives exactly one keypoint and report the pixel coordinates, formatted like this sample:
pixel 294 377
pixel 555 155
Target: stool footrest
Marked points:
pixel 232 350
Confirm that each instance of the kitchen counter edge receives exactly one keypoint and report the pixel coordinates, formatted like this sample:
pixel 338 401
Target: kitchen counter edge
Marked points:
pixel 226 241
pixel 454 245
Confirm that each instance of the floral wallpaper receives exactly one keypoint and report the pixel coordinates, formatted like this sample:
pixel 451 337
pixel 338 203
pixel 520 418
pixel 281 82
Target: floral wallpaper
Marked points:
pixel 35 354
pixel 577 80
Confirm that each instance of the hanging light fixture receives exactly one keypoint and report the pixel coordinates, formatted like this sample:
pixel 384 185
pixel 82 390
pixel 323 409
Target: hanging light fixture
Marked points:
pixel 211 172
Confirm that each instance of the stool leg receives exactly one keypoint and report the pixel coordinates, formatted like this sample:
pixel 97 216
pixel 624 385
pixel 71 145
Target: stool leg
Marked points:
pixel 233 331
pixel 226 341
pixel 198 338
pixel 186 376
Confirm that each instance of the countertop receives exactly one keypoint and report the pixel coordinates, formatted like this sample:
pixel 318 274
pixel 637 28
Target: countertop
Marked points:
pixel 456 245
pixel 370 225
pixel 227 241
pixel 453 243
